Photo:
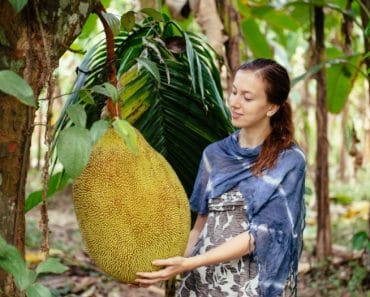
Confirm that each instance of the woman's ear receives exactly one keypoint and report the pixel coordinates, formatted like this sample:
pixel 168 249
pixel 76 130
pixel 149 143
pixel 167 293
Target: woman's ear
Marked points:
pixel 273 108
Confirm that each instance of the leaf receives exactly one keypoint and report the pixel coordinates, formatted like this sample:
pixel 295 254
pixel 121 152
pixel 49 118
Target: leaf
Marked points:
pixel 51 265
pixel 340 78
pixel 312 70
pixel 73 149
pixel 98 129
pixel 12 262
pixel 342 199
pixel 77 115
pixel 106 89
pixel 100 90
pixel 128 21
pixel 113 22
pixel 256 41
pixel 281 19
pixel 14 85
pixel 190 55
pixel 360 240
pixel 18 4
pixel 86 96
pixel 128 133
pixel 56 183
pixel 157 16
pixel 150 66
pixel 38 290
pixel 112 90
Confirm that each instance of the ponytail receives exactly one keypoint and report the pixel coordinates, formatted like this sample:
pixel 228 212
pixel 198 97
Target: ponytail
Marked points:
pixel 280 138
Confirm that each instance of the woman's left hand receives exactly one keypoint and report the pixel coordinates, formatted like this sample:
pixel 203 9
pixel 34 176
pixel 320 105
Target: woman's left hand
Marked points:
pixel 172 267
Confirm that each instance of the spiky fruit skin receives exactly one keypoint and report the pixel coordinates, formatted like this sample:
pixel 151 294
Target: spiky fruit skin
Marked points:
pixel 131 209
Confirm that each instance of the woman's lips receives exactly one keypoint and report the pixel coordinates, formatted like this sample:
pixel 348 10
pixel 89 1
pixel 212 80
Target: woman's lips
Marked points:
pixel 235 115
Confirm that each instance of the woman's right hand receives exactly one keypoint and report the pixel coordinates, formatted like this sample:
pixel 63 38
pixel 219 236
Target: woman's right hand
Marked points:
pixel 172 267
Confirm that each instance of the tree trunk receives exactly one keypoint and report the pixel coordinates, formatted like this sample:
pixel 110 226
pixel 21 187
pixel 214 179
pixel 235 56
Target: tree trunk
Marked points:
pixel 231 20
pixel 347 49
pixel 22 50
pixel 343 172
pixel 365 21
pixel 323 240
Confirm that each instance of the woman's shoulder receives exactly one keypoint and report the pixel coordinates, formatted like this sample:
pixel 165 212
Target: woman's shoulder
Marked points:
pixel 293 156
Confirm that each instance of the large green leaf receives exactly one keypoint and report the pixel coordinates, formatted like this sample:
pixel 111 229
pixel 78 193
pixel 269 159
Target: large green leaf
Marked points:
pixel 275 17
pixel 256 41
pixel 12 84
pixel 340 78
pixel 77 115
pixel 73 149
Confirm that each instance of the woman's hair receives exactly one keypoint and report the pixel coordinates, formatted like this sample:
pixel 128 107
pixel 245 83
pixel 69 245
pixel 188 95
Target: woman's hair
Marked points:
pixel 277 87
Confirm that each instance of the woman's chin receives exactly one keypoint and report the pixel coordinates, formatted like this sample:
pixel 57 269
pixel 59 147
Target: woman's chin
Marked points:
pixel 236 124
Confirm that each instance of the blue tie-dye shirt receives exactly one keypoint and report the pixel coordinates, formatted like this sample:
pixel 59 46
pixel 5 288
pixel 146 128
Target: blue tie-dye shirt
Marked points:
pixel 275 205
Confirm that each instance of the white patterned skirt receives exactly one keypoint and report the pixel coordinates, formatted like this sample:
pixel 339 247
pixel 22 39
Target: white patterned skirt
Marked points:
pixel 237 278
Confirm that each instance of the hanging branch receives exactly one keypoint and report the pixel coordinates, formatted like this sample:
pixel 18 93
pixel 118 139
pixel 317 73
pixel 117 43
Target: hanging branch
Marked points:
pixel 113 108
pixel 39 136
pixel 44 221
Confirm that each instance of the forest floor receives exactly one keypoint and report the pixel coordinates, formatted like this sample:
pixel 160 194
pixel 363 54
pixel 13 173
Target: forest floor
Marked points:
pixel 342 276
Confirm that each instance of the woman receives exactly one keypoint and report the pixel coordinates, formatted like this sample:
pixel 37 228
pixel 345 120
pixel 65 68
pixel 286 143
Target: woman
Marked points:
pixel 247 237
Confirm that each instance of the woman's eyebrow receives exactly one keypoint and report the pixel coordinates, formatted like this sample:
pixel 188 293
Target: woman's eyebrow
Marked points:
pixel 244 91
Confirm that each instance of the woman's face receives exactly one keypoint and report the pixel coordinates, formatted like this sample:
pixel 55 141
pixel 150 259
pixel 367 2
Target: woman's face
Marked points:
pixel 248 102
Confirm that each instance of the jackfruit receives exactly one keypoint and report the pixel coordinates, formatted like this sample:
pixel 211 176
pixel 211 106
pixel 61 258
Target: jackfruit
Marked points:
pixel 131 208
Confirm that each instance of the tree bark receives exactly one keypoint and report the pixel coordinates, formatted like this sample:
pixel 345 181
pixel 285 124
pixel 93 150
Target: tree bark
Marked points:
pixel 323 240
pixel 23 50
pixel 346 46
pixel 365 4
pixel 343 172
pixel 230 17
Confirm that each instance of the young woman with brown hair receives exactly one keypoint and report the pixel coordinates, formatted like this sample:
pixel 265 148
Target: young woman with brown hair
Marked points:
pixel 248 194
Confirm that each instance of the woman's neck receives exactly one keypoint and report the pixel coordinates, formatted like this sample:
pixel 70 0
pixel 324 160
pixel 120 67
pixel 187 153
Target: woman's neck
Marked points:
pixel 250 137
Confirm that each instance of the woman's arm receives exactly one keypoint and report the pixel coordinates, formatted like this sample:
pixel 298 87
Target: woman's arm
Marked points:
pixel 194 233
pixel 234 248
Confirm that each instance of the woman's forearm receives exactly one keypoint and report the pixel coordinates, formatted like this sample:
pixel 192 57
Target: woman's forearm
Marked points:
pixel 234 248
pixel 231 249
pixel 194 234
pixel 193 237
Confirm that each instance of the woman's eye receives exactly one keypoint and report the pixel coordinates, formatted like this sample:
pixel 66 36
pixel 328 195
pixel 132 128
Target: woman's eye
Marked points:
pixel 247 99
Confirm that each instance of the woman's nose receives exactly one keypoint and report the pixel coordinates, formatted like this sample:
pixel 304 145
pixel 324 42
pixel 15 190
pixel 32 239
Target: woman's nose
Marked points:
pixel 234 101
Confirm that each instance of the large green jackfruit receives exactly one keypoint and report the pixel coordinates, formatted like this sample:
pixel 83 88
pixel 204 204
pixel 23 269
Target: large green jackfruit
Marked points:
pixel 131 208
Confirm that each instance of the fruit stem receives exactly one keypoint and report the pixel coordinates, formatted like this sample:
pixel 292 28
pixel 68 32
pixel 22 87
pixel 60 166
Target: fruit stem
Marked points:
pixel 114 109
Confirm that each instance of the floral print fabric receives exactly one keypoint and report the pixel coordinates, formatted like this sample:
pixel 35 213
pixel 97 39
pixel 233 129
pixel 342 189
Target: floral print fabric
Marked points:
pixel 237 278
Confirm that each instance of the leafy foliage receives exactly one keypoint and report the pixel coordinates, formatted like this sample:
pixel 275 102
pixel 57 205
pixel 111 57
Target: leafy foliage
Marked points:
pixel 56 183
pixel 18 4
pixel 24 278
pixel 12 84
pixel 169 87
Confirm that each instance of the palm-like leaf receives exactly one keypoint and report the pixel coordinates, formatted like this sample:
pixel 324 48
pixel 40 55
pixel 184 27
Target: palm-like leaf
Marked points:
pixel 174 99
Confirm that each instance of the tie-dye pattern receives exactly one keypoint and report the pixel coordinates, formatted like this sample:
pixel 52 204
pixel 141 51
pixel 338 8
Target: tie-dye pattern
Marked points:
pixel 275 205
